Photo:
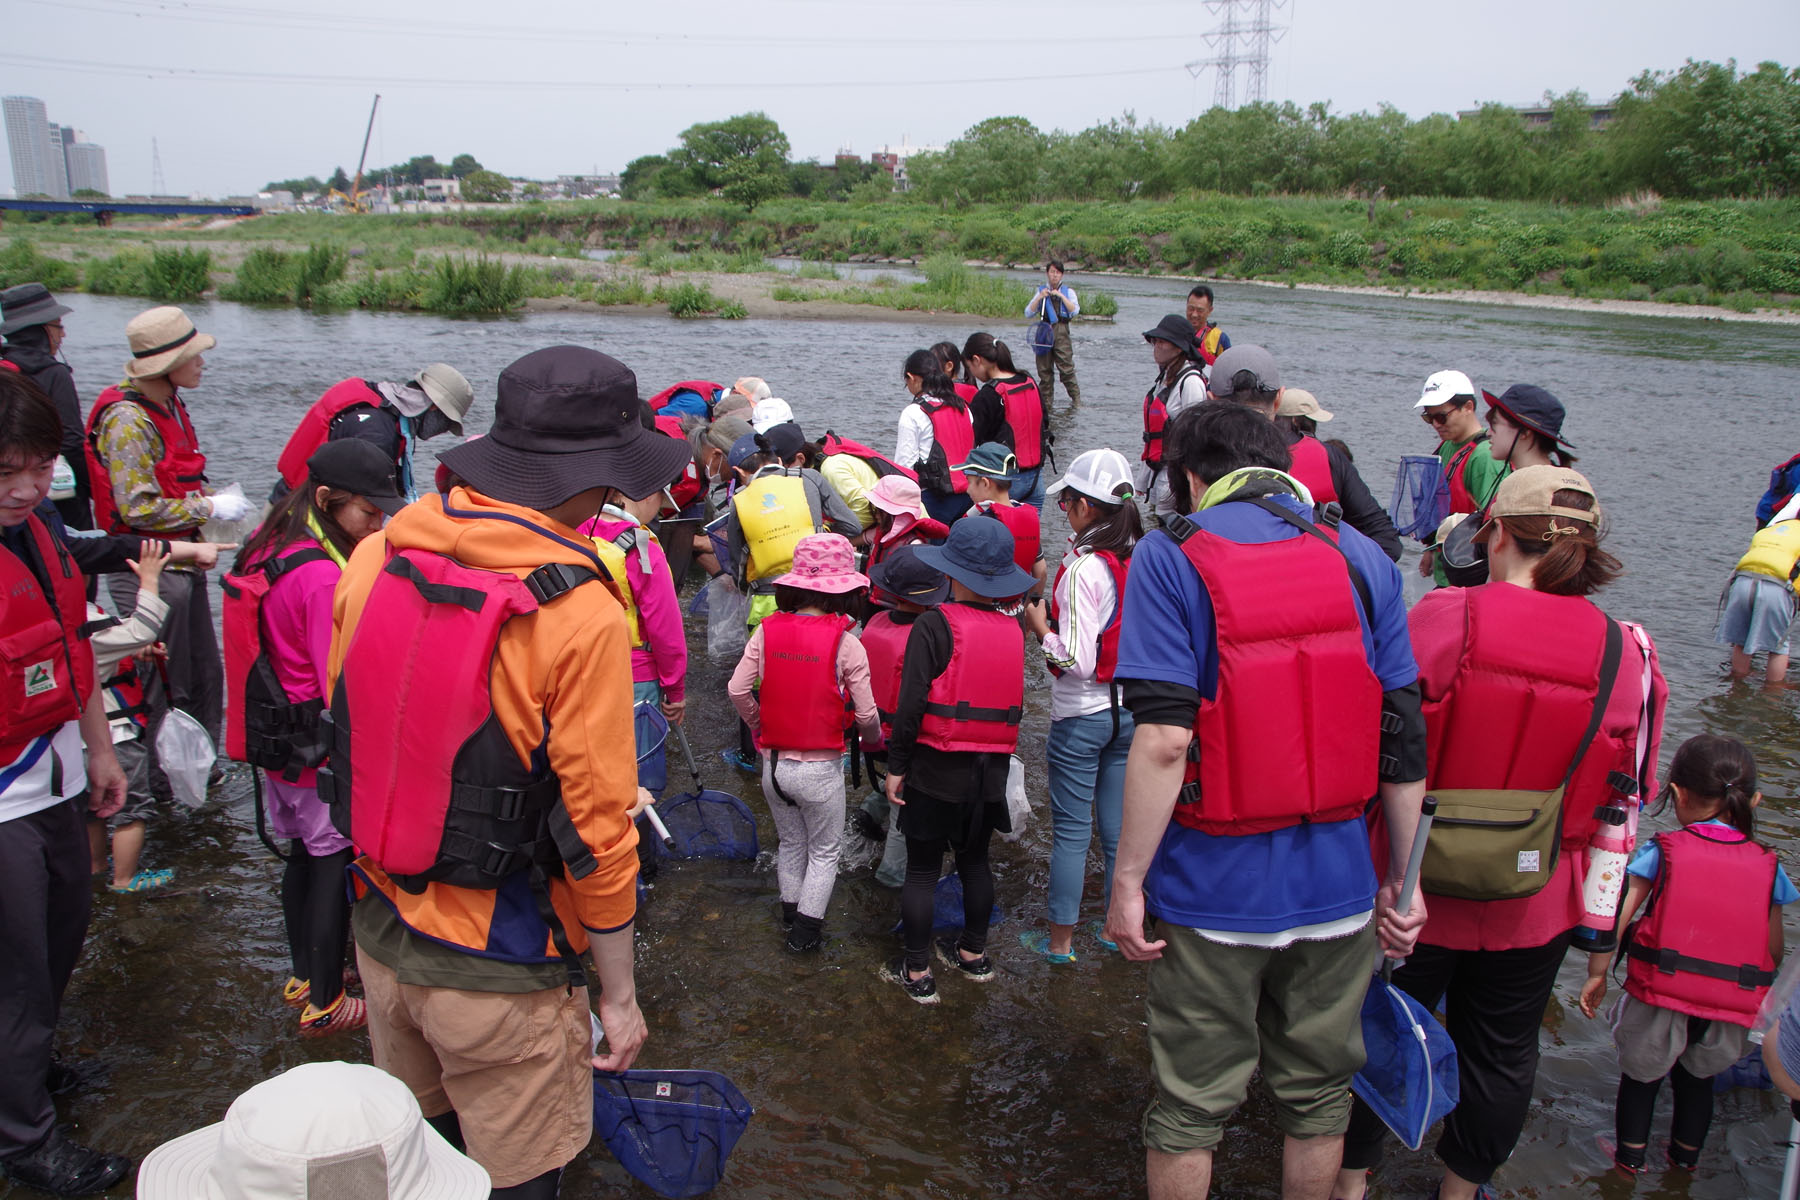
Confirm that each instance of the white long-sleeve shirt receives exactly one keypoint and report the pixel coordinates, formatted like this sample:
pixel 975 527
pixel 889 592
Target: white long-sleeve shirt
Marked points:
pixel 1085 602
pixel 913 442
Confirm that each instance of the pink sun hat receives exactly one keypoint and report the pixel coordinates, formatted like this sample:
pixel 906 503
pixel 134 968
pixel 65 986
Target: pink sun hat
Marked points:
pixel 824 562
pixel 898 495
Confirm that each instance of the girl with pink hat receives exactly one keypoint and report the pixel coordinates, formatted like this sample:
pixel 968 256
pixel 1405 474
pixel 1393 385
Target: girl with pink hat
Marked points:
pixel 900 520
pixel 814 687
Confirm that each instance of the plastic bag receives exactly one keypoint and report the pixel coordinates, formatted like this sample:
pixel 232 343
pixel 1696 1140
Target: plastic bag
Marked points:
pixel 1018 807
pixel 726 611
pixel 186 754
pixel 228 532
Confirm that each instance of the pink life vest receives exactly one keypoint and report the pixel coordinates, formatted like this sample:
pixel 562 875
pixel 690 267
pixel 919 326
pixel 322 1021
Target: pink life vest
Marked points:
pixel 1312 466
pixel 1106 661
pixel 884 641
pixel 978 701
pixel 315 426
pixel 1024 409
pixel 1702 945
pixel 264 726
pixel 1021 520
pixel 952 440
pixel 803 708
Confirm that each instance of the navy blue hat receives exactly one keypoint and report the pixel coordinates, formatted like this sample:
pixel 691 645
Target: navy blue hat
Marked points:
pixel 979 555
pixel 742 449
pixel 904 575
pixel 1533 408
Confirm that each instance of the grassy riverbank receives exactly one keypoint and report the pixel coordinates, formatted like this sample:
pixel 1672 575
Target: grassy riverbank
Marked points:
pixel 1739 255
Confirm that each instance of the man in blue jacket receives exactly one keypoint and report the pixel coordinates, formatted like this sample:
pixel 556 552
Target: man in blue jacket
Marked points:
pixel 1264 655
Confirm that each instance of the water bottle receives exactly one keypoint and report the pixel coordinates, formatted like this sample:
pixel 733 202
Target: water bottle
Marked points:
pixel 1608 856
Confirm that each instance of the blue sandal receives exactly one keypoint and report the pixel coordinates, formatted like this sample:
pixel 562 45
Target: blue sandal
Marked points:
pixel 1098 929
pixel 145 881
pixel 1038 942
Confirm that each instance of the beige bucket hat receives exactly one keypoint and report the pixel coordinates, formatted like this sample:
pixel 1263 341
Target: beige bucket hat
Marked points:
pixel 161 340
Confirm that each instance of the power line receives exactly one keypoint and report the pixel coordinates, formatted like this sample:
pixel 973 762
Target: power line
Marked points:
pixel 140 70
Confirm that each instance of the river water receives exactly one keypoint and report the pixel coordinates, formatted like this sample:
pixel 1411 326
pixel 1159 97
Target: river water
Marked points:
pixel 1033 1085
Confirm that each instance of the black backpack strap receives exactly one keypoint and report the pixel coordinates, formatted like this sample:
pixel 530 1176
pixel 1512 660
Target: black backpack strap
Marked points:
pixel 554 579
pixel 1329 515
pixel 275 568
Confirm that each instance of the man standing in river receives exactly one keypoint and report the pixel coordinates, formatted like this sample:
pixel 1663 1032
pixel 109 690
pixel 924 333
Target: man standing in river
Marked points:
pixel 1055 302
pixel 1209 339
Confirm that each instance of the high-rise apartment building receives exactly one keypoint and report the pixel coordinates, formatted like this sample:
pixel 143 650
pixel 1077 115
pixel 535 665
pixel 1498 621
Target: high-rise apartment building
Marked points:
pixel 87 167
pixel 36 171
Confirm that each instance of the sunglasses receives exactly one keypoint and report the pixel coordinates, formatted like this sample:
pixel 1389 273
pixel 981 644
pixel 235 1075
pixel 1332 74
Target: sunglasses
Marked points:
pixel 1439 418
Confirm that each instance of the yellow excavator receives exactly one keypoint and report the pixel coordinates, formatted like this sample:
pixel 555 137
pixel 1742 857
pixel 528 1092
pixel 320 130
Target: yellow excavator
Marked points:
pixel 356 201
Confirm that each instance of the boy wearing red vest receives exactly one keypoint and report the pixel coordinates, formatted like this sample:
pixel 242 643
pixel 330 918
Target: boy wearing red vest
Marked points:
pixel 990 471
pixel 962 694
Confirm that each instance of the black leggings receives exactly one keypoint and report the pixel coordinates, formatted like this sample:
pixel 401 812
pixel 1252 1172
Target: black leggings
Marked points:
pixel 924 860
pixel 316 905
pixel 1693 1111
pixel 543 1187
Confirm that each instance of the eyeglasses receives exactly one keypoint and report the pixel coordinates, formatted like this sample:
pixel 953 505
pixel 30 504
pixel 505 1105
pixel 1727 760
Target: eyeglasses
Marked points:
pixel 1063 500
pixel 1436 417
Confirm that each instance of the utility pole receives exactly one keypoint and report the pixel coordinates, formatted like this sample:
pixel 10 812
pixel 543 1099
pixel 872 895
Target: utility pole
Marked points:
pixel 1244 37
pixel 157 186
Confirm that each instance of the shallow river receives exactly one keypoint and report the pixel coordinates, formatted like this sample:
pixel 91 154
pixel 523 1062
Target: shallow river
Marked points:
pixel 1033 1085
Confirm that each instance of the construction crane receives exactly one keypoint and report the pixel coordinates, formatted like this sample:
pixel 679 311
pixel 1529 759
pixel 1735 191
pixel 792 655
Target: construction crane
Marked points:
pixel 355 198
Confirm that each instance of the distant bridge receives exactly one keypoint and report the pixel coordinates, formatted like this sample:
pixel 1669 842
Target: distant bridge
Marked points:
pixel 104 210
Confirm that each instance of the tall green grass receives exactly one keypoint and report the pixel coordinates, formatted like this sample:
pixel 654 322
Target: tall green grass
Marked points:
pixel 464 286
pixel 169 275
pixel 22 262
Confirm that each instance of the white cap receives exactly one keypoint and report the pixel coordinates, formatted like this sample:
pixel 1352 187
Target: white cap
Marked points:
pixel 767 414
pixel 1298 402
pixel 327 1128
pixel 1444 387
pixel 1101 475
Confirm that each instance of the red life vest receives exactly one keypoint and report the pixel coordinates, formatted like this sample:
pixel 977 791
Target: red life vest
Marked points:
pixel 264 725
pixel 1312 466
pixel 977 703
pixel 803 708
pixel 882 465
pixel 688 488
pixel 1521 699
pixel 1292 733
pixel 1021 520
pixel 1207 342
pixel 884 641
pixel 706 390
pixel 924 530
pixel 1156 414
pixel 315 426
pixel 1702 945
pixel 426 782
pixel 46 666
pixel 180 472
pixel 1106 662
pixel 125 696
pixel 952 440
pixel 965 391
pixel 1461 499
pixel 1024 409
pixel 8 366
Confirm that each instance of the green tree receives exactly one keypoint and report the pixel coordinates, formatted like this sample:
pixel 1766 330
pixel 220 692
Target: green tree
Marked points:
pixel 750 181
pixel 482 187
pixel 309 183
pixel 339 182
pixel 463 166
pixel 708 149
pixel 88 194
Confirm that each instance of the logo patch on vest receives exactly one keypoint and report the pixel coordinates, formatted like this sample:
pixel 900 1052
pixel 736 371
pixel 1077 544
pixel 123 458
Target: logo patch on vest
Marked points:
pixel 1528 862
pixel 769 502
pixel 40 678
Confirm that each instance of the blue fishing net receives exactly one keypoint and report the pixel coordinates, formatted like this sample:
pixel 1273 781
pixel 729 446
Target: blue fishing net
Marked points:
pixel 1421 496
pixel 1747 1072
pixel 651 730
pixel 1409 1080
pixel 708 824
pixel 672 1130
pixel 947 906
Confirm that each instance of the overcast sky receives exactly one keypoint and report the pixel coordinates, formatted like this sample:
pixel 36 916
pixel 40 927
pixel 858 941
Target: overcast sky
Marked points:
pixel 237 94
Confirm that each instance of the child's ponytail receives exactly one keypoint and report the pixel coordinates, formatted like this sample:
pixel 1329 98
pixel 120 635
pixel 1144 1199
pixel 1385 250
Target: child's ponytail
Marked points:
pixel 1722 769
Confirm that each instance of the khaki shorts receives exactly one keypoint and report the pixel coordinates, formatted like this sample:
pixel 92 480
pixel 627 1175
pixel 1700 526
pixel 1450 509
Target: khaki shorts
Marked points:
pixel 1218 1013
pixel 1652 1039
pixel 515 1067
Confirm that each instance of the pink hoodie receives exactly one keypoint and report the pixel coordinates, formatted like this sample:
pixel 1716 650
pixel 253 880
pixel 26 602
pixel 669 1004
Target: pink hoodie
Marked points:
pixel 663 656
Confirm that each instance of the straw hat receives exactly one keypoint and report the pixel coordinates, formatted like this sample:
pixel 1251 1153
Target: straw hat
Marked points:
pixel 161 340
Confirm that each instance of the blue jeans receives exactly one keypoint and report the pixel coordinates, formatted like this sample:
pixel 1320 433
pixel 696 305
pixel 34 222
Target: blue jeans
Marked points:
pixel 1087 784
pixel 1025 489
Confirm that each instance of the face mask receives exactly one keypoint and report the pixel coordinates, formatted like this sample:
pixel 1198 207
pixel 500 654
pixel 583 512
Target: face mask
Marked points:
pixel 430 423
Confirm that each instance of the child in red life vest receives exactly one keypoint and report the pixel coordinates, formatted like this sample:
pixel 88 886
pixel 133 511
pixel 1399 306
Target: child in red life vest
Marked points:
pixel 1703 954
pixel 814 681
pixel 962 694
pixel 990 471
pixel 115 643
pixel 912 588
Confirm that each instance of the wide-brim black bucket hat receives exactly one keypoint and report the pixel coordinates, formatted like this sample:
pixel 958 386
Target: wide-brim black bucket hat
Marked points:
pixel 566 420
pixel 1531 407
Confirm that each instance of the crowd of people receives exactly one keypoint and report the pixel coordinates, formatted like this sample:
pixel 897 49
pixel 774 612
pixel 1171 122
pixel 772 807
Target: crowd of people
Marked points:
pixel 435 686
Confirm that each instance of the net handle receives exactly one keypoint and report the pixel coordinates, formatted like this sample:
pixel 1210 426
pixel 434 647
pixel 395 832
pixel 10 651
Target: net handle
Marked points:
pixel 1415 860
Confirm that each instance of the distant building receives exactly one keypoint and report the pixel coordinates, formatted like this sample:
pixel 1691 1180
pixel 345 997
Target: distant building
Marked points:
pixel 441 191
pixel 892 159
pixel 86 165
pixel 37 169
pixel 1539 116
pixel 587 185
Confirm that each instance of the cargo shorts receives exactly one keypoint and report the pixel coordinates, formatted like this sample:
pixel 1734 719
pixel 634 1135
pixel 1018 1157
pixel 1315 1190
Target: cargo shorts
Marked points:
pixel 1217 1013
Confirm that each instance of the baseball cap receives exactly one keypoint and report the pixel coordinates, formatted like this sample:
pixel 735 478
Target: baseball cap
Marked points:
pixel 742 449
pixel 991 459
pixel 1445 386
pixel 1531 492
pixel 769 413
pixel 783 440
pixel 360 468
pixel 1298 402
pixel 1101 475
pixel 1241 358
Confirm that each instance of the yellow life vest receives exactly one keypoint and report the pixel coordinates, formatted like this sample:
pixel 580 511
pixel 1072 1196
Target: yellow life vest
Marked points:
pixel 773 516
pixel 1774 551
pixel 613 552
